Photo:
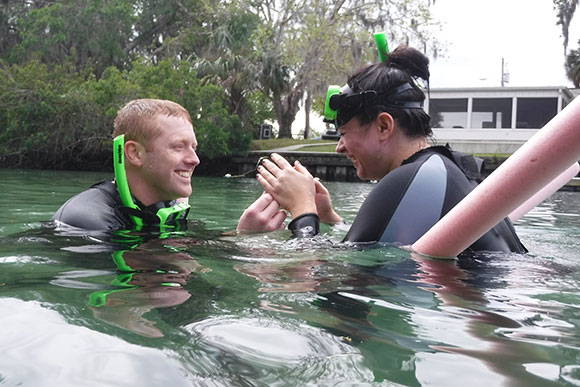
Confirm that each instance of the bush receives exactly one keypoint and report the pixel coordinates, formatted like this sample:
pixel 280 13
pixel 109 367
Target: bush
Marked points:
pixel 53 117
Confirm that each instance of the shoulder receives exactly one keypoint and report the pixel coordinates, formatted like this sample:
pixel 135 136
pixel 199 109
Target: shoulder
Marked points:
pixel 96 208
pixel 405 202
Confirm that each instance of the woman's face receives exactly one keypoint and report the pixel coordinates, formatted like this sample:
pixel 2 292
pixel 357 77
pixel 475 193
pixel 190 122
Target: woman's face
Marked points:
pixel 361 144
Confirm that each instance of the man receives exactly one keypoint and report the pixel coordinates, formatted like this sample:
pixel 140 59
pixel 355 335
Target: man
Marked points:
pixel 160 156
pixel 153 177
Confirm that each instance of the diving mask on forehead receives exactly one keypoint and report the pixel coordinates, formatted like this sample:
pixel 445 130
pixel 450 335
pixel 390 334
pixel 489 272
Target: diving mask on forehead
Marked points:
pixel 166 216
pixel 342 104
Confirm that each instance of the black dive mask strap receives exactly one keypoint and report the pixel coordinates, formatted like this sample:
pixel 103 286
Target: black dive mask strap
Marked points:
pixel 348 104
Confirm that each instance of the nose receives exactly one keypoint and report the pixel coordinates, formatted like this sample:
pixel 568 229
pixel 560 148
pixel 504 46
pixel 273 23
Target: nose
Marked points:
pixel 340 146
pixel 192 158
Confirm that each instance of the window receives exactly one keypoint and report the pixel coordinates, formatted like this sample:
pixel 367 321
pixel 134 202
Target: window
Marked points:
pixel 448 112
pixel 491 113
pixel 534 113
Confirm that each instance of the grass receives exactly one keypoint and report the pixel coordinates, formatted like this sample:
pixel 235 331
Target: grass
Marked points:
pixel 330 148
pixel 281 142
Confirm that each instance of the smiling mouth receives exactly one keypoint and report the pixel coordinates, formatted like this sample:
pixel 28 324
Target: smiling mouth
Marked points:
pixel 186 174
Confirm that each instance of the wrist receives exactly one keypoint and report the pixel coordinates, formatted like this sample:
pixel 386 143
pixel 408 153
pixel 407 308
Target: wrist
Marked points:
pixel 303 208
pixel 330 217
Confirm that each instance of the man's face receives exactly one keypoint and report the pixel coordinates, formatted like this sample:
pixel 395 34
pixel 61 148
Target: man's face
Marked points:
pixel 169 160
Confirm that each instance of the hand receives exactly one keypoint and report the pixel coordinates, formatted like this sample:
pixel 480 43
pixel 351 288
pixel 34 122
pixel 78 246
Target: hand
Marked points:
pixel 324 204
pixel 261 216
pixel 295 191
pixel 322 198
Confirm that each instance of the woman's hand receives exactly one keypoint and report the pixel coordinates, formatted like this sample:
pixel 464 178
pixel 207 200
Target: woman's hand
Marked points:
pixel 261 216
pixel 322 198
pixel 324 207
pixel 294 190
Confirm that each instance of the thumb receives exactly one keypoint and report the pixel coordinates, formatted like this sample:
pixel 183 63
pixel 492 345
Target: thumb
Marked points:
pixel 319 186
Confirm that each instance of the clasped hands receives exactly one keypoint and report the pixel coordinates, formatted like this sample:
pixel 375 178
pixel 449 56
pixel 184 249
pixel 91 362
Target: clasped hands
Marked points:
pixel 287 187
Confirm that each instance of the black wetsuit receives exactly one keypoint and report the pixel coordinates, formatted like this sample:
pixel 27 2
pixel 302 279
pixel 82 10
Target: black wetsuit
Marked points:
pixel 100 208
pixel 412 198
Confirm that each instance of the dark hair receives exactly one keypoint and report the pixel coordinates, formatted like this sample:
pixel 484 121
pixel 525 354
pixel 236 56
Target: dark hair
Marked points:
pixel 403 65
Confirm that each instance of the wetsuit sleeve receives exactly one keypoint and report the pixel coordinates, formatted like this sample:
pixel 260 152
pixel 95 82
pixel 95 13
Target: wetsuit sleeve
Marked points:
pixel 92 209
pixel 305 226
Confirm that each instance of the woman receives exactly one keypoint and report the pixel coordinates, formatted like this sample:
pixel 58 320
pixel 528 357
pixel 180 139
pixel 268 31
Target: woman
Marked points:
pixel 385 131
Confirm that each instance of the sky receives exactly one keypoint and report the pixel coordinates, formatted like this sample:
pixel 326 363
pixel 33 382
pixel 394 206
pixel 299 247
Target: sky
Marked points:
pixel 476 35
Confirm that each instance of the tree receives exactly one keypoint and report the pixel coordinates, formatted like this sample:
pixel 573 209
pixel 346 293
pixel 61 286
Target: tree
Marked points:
pixel 573 66
pixel 86 33
pixel 303 45
pixel 229 60
pixel 565 12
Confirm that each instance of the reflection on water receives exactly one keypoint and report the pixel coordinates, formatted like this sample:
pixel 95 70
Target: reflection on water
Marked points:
pixel 199 308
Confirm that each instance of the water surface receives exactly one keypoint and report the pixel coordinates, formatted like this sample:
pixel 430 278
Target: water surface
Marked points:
pixel 201 308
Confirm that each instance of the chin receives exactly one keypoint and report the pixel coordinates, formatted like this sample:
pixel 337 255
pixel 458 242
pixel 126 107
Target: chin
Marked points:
pixel 361 175
pixel 182 193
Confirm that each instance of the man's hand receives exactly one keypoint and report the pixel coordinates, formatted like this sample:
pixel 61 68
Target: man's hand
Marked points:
pixel 261 216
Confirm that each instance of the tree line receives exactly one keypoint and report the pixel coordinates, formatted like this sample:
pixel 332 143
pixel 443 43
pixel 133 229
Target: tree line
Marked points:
pixel 66 66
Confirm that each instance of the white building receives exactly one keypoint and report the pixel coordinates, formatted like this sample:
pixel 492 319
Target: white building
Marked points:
pixel 494 119
pixel 480 120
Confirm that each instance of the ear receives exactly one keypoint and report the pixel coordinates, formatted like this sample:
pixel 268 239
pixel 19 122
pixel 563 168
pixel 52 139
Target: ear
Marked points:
pixel 134 153
pixel 386 125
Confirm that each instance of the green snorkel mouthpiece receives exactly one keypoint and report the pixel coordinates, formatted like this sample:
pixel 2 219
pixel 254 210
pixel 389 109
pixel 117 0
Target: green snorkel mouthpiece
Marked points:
pixel 382 46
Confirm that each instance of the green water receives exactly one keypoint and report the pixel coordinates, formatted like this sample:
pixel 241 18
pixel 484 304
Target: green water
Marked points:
pixel 210 310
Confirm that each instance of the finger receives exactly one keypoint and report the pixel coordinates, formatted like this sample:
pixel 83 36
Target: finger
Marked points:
pixel 263 202
pixel 266 173
pixel 280 161
pixel 265 184
pixel 272 207
pixel 271 167
pixel 278 220
pixel 319 186
pixel 301 168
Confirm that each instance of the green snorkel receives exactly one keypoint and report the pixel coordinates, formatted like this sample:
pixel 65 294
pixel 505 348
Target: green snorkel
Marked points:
pixel 122 281
pixel 166 215
pixel 330 113
pixel 121 178
pixel 382 46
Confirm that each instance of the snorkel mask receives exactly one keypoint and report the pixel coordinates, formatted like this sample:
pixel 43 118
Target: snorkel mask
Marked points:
pixel 342 104
pixel 168 216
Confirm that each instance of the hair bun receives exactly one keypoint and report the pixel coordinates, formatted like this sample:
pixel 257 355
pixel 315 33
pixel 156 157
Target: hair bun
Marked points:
pixel 411 60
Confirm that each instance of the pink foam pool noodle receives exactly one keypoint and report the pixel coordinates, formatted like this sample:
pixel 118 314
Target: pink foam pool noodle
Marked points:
pixel 545 192
pixel 539 161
